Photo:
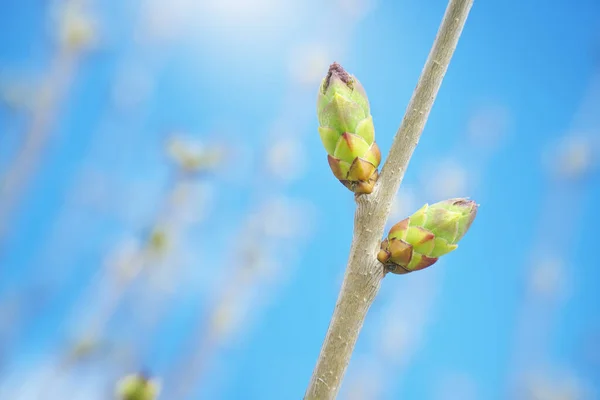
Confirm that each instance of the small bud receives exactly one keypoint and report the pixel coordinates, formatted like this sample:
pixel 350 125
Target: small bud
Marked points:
pixel 77 29
pixel 84 348
pixel 192 156
pixel 159 239
pixel 137 387
pixel 419 240
pixel 347 131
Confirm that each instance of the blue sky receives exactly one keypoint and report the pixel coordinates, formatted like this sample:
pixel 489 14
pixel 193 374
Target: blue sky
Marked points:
pixel 515 127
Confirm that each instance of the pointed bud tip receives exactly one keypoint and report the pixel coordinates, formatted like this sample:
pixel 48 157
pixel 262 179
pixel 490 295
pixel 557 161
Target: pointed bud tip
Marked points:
pixel 337 71
pixel 469 206
pixel 463 202
pixel 464 206
pixel 466 201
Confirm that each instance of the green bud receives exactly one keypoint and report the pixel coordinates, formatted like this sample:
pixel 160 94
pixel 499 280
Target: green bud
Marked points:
pixel 419 240
pixel 137 387
pixel 347 131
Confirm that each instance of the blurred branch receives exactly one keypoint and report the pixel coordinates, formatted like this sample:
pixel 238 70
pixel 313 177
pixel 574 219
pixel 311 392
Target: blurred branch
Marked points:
pixel 364 273
pixel 209 331
pixel 218 324
pixel 75 33
pixel 25 161
pixel 550 270
pixel 16 307
pixel 264 237
pixel 190 165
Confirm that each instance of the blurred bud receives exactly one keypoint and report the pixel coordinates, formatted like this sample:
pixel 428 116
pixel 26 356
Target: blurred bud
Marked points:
pixel 573 157
pixel 84 347
pixel 77 30
pixel 158 242
pixel 137 387
pixel 419 240
pixel 193 156
pixel 347 131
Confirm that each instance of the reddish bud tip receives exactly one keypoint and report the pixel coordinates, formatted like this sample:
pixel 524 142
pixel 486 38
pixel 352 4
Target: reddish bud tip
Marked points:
pixel 337 71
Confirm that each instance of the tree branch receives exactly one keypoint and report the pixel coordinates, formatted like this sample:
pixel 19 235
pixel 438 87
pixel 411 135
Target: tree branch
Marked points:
pixel 363 272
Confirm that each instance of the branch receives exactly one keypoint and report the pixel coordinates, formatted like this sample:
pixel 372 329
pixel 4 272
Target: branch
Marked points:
pixel 364 273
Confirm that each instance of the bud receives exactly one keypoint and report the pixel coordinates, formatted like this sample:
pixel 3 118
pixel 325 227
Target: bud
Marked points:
pixel 192 156
pixel 419 240
pixel 347 131
pixel 159 239
pixel 137 387
pixel 77 30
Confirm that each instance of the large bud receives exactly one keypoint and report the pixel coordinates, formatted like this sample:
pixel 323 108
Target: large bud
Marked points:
pixel 347 131
pixel 419 240
pixel 137 387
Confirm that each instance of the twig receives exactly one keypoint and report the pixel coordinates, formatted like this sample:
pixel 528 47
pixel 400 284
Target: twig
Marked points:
pixel 137 266
pixel 22 167
pixel 207 336
pixel 208 341
pixel 363 272
pixel 76 35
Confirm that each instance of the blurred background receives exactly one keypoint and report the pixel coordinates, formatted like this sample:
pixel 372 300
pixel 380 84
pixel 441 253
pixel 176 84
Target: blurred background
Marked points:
pixel 166 206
